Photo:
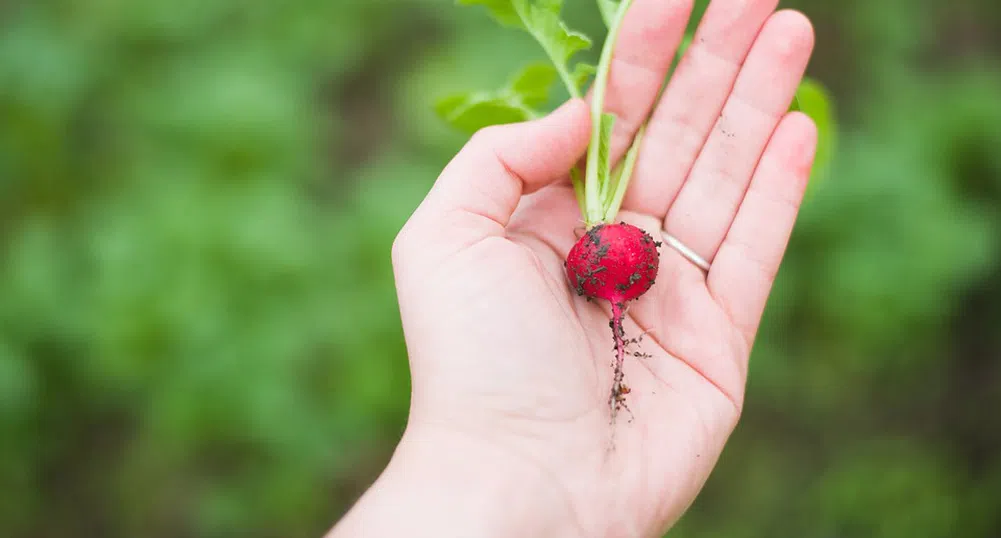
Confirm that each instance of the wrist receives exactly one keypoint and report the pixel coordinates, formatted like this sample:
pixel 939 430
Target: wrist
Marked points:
pixel 442 484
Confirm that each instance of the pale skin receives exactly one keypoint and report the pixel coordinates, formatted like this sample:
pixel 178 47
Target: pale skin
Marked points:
pixel 509 432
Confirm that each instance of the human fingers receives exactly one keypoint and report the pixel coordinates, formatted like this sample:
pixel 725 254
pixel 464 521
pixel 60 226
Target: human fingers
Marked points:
pixel 692 101
pixel 746 265
pixel 707 203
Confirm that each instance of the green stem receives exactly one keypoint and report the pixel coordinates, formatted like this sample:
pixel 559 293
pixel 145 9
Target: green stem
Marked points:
pixel 558 63
pixel 624 172
pixel 568 81
pixel 623 175
pixel 574 92
pixel 593 206
pixel 578 186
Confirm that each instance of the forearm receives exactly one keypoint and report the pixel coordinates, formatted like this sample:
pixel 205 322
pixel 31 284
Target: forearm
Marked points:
pixel 445 486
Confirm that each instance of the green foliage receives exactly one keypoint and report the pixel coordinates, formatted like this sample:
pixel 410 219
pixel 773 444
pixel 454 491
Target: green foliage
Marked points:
pixel 198 328
pixel 541 19
pixel 813 100
pixel 516 102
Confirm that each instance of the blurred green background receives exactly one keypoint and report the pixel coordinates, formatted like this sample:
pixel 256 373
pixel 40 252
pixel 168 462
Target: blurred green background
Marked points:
pixel 198 327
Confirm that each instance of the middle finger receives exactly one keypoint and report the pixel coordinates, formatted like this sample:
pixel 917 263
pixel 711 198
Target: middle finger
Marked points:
pixel 692 102
pixel 650 35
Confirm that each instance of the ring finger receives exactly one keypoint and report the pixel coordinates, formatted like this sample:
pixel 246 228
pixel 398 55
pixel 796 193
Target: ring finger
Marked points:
pixel 692 100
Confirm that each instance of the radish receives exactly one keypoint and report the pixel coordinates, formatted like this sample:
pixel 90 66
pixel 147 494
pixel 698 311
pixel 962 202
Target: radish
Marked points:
pixel 616 263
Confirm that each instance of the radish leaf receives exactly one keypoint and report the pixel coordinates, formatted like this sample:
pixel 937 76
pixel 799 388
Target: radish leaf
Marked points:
pixel 502 10
pixel 515 102
pixel 582 74
pixel 534 83
pixel 813 100
pixel 474 111
pixel 541 19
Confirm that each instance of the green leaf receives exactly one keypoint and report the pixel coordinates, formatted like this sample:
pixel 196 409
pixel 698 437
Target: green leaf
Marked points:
pixel 541 19
pixel 502 10
pixel 473 111
pixel 533 83
pixel 813 100
pixel 516 102
pixel 582 73
pixel 608 9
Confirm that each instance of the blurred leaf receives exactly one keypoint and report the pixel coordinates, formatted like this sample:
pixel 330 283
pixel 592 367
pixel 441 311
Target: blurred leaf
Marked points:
pixel 813 100
pixel 470 112
pixel 533 84
pixel 474 111
pixel 17 390
pixel 582 73
pixel 541 19
pixel 503 10
pixel 887 489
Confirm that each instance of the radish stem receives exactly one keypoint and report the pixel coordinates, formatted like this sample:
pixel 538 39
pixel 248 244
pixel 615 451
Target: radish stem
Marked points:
pixel 578 185
pixel 593 206
pixel 622 176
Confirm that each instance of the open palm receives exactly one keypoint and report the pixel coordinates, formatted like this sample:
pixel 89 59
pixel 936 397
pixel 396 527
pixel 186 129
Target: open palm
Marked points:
pixel 508 362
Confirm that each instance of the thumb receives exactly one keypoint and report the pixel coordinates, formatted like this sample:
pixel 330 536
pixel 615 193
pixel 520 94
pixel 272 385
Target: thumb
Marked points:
pixel 501 163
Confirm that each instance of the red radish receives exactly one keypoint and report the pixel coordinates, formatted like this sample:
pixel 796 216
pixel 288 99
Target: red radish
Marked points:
pixel 617 263
pixel 614 262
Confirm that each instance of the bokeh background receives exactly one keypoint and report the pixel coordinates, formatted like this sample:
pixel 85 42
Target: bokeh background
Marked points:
pixel 198 327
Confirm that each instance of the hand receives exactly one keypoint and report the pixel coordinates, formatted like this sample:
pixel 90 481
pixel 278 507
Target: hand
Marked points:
pixel 509 431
